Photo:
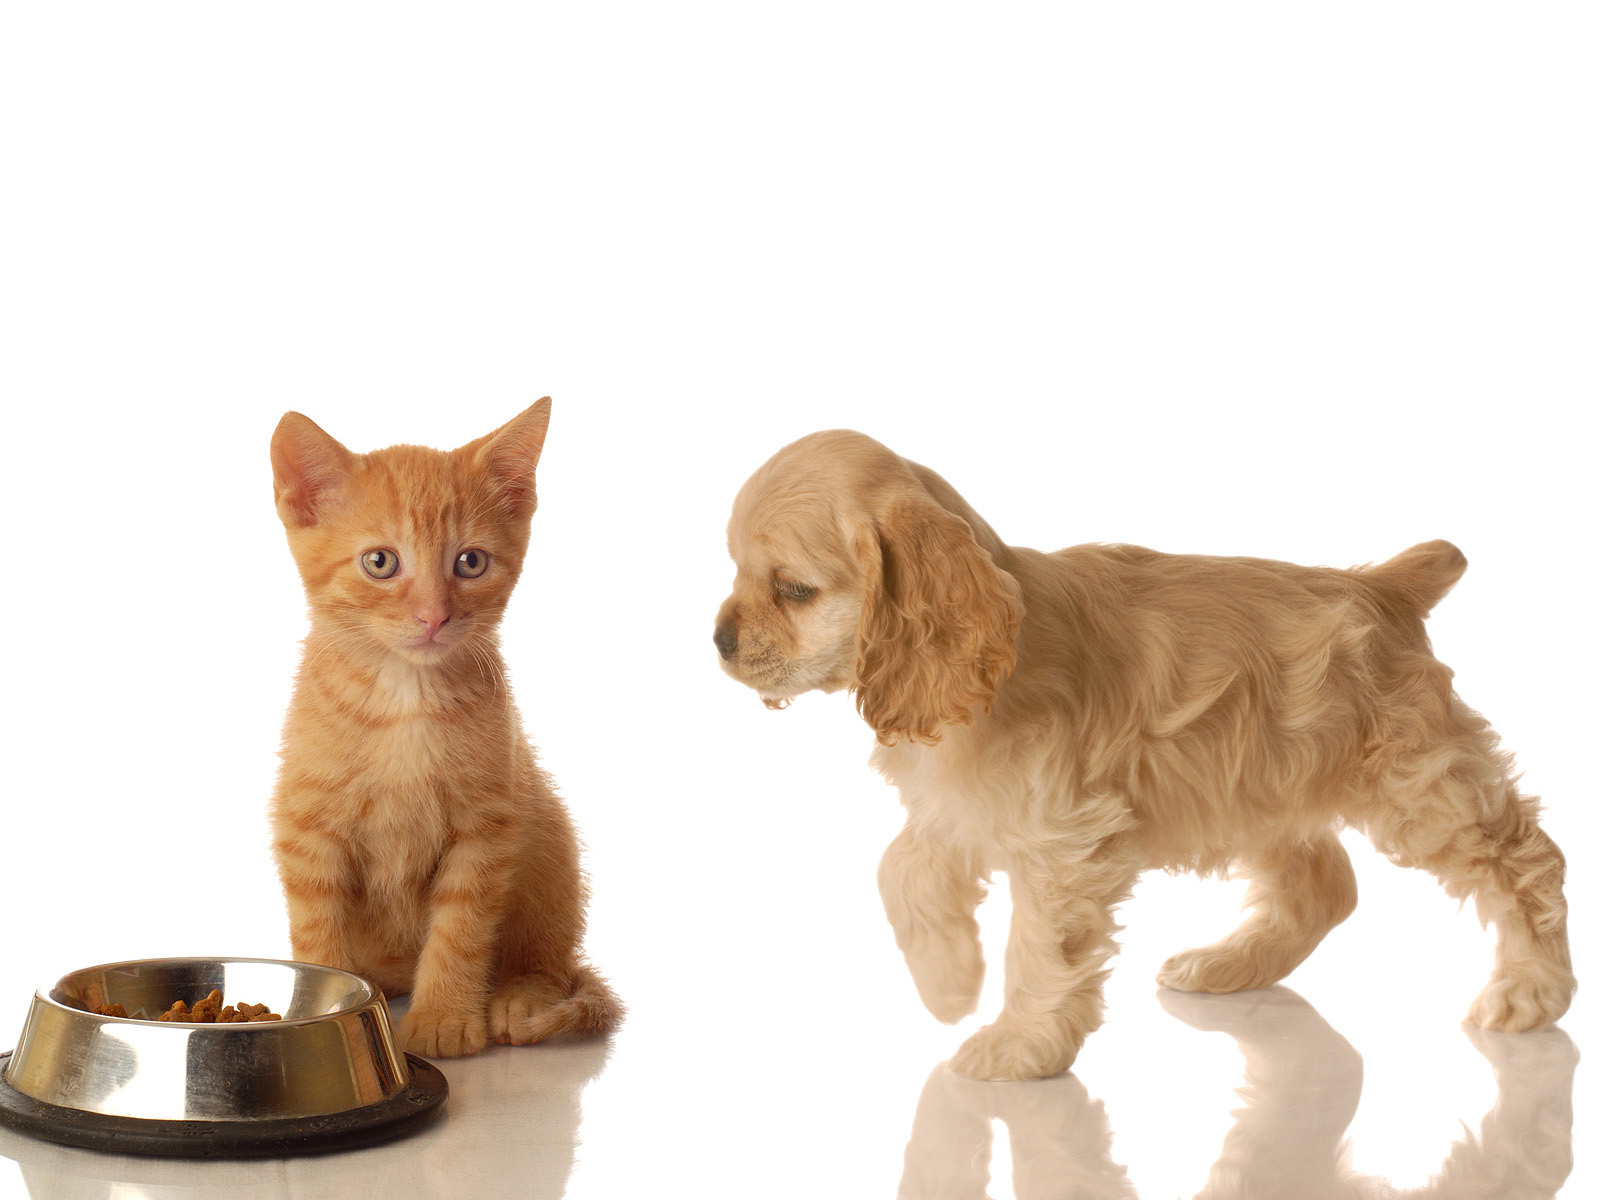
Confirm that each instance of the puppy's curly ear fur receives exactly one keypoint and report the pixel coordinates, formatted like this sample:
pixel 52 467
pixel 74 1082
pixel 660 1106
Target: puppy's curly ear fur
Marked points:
pixel 938 632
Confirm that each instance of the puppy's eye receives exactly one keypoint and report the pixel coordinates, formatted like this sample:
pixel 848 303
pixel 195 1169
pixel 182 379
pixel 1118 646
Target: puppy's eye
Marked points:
pixel 380 564
pixel 472 563
pixel 799 593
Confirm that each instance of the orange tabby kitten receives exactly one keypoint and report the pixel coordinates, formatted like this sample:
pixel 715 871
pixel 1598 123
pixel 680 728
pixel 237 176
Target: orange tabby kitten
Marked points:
pixel 418 841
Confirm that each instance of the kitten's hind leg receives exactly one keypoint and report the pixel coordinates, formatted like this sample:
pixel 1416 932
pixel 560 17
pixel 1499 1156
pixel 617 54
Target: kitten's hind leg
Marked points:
pixel 530 1008
pixel 1297 894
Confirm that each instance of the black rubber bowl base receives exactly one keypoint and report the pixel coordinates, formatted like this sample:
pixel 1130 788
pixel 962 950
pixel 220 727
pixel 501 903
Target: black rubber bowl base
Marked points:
pixel 404 1112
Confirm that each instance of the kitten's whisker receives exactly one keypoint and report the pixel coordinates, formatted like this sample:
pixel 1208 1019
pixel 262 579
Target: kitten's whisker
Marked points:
pixel 489 667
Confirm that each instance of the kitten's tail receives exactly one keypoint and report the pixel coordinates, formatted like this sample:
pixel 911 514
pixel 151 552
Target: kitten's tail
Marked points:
pixel 531 1008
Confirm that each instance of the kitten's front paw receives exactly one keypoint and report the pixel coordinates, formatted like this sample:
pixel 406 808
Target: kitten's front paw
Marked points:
pixel 442 1035
pixel 1001 1052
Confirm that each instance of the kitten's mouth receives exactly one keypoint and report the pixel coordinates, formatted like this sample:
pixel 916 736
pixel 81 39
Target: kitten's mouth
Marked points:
pixel 425 649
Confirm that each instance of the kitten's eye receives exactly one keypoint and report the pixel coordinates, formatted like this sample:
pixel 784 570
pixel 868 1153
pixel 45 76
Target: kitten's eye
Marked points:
pixel 472 563
pixel 797 592
pixel 380 564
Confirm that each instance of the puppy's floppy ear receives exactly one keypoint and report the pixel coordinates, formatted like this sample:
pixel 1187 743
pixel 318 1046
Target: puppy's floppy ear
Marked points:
pixel 938 632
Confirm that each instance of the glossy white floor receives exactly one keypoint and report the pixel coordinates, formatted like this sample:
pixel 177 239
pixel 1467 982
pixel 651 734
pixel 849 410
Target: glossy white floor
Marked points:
pixel 780 1055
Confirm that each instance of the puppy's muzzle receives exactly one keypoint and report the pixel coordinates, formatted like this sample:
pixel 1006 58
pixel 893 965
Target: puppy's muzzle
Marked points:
pixel 727 639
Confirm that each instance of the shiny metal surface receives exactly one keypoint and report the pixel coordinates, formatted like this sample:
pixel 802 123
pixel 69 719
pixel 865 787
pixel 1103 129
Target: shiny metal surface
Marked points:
pixel 334 1050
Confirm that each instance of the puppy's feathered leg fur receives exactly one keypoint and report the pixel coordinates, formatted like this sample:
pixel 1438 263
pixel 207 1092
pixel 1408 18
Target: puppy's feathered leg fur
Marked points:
pixel 1451 807
pixel 930 893
pixel 1298 892
pixel 1061 938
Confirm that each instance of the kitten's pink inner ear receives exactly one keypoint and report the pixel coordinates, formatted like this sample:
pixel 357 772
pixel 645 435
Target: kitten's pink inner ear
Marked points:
pixel 307 465
pixel 512 453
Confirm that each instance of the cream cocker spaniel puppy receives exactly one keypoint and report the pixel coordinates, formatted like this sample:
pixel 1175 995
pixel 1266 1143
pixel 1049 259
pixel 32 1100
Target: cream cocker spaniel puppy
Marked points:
pixel 1076 718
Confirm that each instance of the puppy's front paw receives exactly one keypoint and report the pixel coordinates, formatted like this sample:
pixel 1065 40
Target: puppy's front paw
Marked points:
pixel 442 1034
pixel 1184 972
pixel 1530 996
pixel 1225 967
pixel 1002 1052
pixel 949 977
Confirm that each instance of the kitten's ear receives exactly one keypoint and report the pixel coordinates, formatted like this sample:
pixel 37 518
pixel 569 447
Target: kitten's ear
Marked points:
pixel 307 465
pixel 511 453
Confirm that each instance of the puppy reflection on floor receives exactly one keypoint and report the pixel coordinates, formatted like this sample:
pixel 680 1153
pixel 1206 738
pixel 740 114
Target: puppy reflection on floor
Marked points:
pixel 1302 1088
pixel 1060 1141
pixel 1076 718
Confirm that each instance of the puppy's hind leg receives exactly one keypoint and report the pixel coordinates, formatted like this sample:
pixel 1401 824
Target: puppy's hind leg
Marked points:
pixel 930 893
pixel 1298 892
pixel 1532 982
pixel 1455 810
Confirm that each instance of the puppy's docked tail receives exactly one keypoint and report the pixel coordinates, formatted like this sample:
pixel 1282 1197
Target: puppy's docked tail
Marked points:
pixel 1421 576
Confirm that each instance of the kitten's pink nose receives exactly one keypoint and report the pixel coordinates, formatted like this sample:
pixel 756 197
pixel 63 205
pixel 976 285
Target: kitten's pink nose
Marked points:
pixel 432 621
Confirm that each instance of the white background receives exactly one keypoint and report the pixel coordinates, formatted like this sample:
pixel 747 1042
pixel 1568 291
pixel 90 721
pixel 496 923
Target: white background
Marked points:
pixel 1315 284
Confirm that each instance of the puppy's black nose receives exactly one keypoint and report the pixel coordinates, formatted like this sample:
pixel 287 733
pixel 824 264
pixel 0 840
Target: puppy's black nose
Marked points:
pixel 727 639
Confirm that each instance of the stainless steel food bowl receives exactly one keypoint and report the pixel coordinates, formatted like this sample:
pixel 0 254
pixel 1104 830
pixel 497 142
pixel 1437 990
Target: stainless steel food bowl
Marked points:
pixel 329 1071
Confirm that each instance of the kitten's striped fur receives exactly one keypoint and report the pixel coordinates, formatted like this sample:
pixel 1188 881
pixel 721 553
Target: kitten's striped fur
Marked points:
pixel 418 841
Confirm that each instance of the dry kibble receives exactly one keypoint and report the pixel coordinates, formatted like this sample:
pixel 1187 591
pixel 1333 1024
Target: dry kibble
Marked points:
pixel 244 1013
pixel 205 1012
pixel 211 1012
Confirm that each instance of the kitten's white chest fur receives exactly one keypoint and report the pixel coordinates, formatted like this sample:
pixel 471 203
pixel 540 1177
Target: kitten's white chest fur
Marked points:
pixel 401 688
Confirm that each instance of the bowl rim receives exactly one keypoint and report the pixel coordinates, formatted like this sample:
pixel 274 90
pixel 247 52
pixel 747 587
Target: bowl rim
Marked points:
pixel 373 992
